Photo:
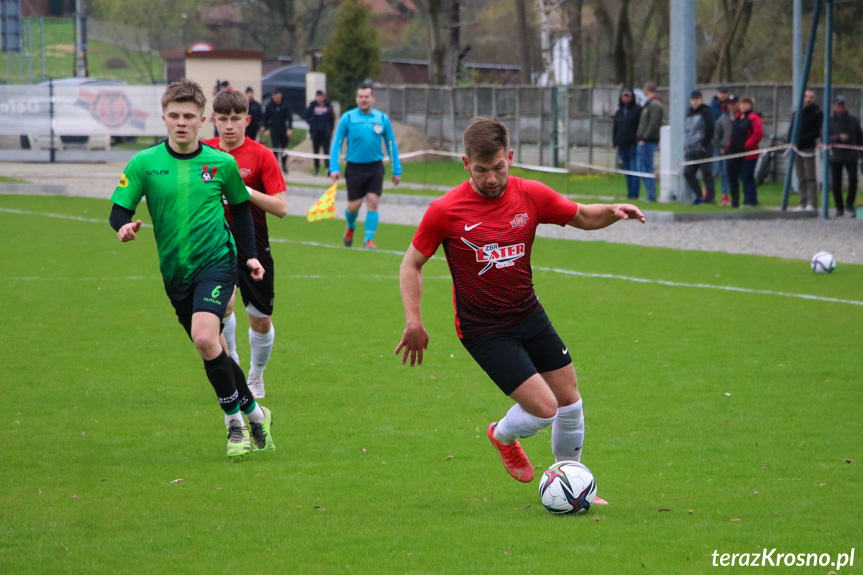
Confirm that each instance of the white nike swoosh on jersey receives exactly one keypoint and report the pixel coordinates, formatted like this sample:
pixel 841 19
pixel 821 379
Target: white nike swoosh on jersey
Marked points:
pixel 468 228
pixel 564 351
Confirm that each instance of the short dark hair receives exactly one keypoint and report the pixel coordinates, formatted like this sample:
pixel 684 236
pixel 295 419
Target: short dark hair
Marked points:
pixel 250 89
pixel 184 90
pixel 227 102
pixel 277 91
pixel 364 86
pixel 485 137
pixel 319 93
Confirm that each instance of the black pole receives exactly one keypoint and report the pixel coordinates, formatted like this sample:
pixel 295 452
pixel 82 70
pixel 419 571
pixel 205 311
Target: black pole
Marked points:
pixel 51 118
pixel 828 97
pixel 795 122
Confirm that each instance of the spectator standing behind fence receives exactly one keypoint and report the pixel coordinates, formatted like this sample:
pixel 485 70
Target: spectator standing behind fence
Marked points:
pixel 721 137
pixel 746 132
pixel 845 131
pixel 648 137
pixel 811 121
pixel 719 107
pixel 255 115
pixel 698 145
pixel 625 138
pixel 321 117
pixel 278 124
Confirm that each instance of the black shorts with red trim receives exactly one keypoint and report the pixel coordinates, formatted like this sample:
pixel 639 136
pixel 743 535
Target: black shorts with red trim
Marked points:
pixel 260 294
pixel 513 355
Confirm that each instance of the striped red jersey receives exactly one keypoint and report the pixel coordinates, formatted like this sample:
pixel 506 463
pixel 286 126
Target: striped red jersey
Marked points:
pixel 487 243
pixel 260 171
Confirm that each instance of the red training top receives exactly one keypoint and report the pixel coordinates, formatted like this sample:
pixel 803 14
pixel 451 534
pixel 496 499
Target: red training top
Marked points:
pixel 260 171
pixel 487 244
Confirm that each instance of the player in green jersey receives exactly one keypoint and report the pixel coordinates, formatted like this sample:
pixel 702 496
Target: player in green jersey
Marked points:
pixel 183 182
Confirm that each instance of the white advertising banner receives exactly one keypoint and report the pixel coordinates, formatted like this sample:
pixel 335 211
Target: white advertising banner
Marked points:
pixel 88 110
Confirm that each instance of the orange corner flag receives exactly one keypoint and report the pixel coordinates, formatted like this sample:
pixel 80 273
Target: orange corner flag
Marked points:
pixel 325 207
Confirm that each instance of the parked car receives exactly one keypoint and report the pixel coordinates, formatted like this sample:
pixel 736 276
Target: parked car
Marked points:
pixel 291 80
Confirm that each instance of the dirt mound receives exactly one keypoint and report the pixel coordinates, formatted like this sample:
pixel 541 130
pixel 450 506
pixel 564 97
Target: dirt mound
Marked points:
pixel 408 139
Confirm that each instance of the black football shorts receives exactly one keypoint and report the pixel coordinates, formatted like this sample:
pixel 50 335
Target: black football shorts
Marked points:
pixel 364 179
pixel 211 293
pixel 513 355
pixel 260 294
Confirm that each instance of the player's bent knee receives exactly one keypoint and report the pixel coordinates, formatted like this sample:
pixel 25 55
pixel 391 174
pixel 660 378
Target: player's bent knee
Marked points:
pixel 207 347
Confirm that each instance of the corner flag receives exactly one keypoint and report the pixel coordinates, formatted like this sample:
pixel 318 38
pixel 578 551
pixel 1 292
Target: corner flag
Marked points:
pixel 325 207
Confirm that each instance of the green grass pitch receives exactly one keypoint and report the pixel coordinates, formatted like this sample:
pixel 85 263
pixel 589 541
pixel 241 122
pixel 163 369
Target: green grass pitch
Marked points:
pixel 717 420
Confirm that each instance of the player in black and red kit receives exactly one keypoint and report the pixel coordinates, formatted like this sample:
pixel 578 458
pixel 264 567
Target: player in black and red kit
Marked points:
pixel 261 174
pixel 487 226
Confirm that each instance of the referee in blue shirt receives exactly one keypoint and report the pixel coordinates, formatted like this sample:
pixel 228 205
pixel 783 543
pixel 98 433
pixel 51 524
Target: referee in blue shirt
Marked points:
pixel 367 132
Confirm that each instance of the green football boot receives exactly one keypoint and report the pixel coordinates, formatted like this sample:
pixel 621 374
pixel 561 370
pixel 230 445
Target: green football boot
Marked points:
pixel 239 443
pixel 261 432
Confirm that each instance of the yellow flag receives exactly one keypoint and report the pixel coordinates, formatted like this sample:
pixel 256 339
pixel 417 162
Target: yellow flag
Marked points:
pixel 325 207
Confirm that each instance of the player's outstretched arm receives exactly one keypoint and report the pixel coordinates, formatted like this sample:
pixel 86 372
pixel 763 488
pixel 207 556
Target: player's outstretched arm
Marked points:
pixel 276 204
pixel 598 216
pixel 415 339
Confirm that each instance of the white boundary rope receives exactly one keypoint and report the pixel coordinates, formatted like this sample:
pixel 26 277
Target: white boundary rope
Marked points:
pixel 787 148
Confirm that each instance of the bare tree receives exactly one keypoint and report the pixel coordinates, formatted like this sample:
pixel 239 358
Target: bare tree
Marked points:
pixel 719 62
pixel 573 9
pixel 454 53
pixel 432 11
pixel 524 40
pixel 622 52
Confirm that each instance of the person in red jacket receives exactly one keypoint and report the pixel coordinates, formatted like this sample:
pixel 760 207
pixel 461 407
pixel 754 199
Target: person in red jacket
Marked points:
pixel 746 133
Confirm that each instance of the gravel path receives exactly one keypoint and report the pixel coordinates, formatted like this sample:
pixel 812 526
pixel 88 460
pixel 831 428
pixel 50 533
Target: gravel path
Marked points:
pixel 793 238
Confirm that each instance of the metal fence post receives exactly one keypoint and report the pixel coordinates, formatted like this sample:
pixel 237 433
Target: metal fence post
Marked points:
pixel 566 127
pixel 518 122
pixel 454 123
pixel 51 119
pixel 590 125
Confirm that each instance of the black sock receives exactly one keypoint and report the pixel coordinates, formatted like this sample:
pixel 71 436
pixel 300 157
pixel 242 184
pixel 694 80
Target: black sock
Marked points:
pixel 246 399
pixel 222 378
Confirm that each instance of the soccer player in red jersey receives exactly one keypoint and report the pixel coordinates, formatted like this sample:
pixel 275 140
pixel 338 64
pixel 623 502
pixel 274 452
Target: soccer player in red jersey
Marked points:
pixel 487 226
pixel 262 176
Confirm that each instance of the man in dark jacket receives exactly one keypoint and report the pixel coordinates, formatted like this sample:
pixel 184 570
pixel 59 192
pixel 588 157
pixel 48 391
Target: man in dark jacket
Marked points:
pixel 255 113
pixel 844 131
pixel 698 145
pixel 624 137
pixel 811 121
pixel 747 129
pixel 320 117
pixel 278 123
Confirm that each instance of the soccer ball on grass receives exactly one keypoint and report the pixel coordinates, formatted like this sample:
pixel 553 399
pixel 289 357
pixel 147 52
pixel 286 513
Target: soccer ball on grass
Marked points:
pixel 567 487
pixel 823 263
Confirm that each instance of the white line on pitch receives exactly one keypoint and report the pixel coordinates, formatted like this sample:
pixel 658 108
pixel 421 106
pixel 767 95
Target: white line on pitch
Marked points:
pixel 555 270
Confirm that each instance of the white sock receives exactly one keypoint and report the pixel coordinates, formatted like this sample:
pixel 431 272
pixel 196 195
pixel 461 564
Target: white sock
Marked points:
pixel 229 328
pixel 235 417
pixel 256 415
pixel 519 423
pixel 567 433
pixel 262 347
